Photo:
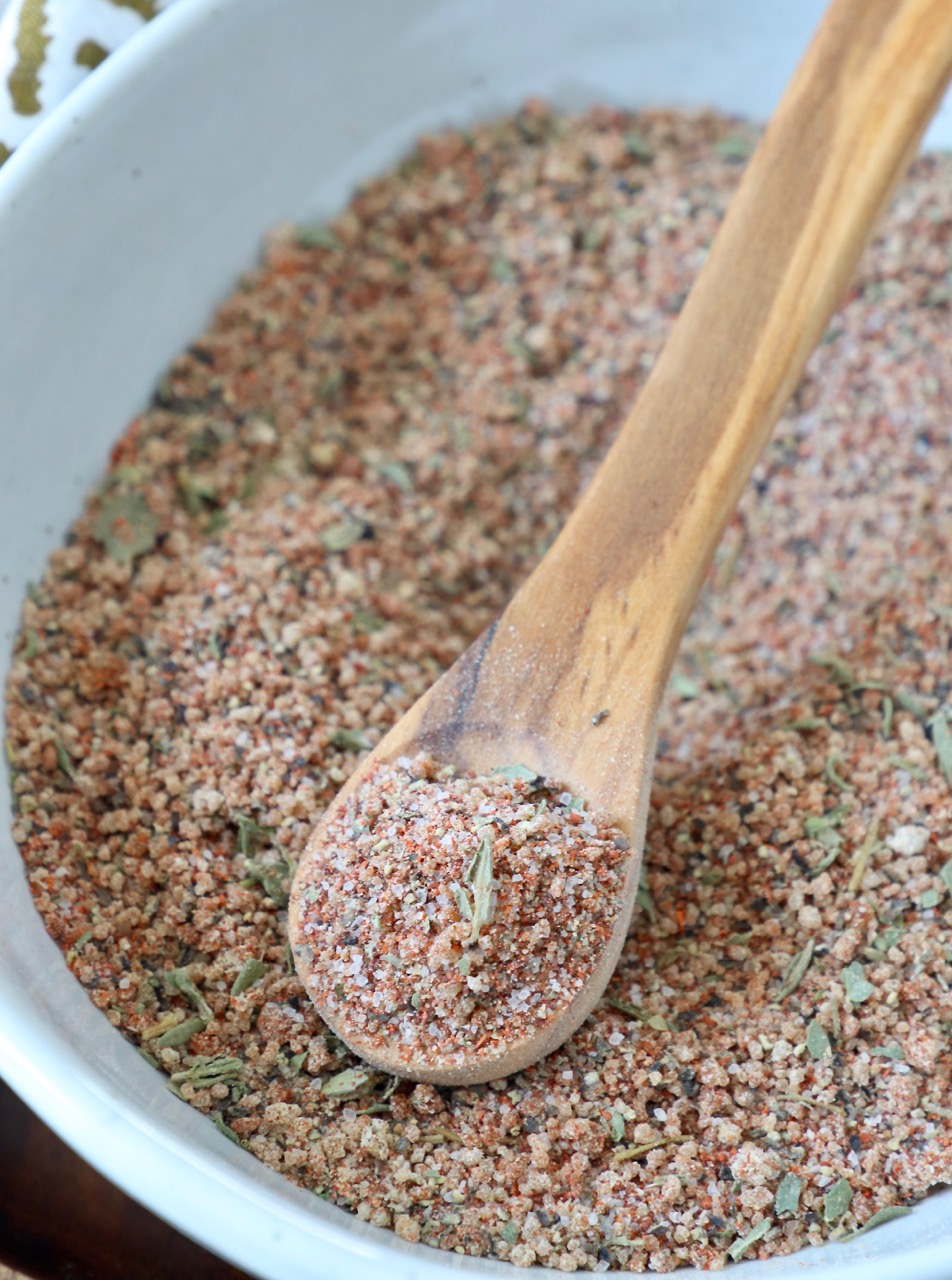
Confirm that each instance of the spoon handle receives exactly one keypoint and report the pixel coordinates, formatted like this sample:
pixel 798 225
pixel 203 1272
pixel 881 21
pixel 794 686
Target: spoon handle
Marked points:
pixel 607 605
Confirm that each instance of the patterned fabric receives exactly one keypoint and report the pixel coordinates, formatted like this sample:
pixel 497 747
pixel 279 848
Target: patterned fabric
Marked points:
pixel 48 46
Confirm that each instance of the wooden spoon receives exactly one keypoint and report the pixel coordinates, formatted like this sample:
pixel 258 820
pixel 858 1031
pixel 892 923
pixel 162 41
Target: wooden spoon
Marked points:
pixel 569 681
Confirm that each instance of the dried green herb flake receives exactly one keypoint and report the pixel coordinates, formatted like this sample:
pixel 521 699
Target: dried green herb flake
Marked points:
pixel 639 148
pixel 794 973
pixel 349 740
pixel 348 1084
pixel 251 972
pixel 898 762
pixel 196 493
pixel 126 527
pixel 740 1247
pixel 179 980
pixel 479 874
pixel 820 826
pixel 836 1201
pixel 367 623
pixel 219 1123
pixel 625 1006
pixel 831 774
pixel 317 236
pixel 684 687
pixel 463 904
pixel 855 982
pixel 207 1071
pixel 942 741
pixel 889 1214
pixel 787 1199
pixel 911 704
pixel 624 1154
pixel 501 269
pixel 892 1051
pixel 889 937
pixel 818 1042
pixel 512 772
pixel 396 473
pixel 343 534
pixel 841 672
pixel 889 710
pixel 178 1035
pixel 250 834
pixel 826 862
pixel 64 760
pixel 644 899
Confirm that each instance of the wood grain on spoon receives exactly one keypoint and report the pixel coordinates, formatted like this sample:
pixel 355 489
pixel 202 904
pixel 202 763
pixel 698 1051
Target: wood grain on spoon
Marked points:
pixel 595 628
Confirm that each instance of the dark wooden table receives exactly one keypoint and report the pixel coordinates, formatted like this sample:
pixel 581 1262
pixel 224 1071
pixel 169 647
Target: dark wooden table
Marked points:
pixel 59 1220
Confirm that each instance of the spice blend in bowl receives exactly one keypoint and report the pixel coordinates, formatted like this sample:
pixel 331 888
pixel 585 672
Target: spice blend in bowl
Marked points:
pixel 336 488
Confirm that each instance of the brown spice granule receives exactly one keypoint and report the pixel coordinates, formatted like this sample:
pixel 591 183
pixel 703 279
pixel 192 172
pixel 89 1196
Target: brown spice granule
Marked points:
pixel 447 917
pixel 348 474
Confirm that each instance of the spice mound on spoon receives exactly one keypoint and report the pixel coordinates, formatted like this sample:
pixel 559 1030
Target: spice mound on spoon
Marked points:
pixel 461 906
pixel 454 914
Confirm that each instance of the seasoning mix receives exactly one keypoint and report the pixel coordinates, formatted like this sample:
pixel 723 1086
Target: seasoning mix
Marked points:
pixel 443 920
pixel 335 489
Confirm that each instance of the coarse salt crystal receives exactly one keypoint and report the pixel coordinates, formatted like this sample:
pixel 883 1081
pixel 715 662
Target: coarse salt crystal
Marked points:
pixel 908 840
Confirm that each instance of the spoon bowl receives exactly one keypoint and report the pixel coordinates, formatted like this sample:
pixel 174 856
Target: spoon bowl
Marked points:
pixel 569 682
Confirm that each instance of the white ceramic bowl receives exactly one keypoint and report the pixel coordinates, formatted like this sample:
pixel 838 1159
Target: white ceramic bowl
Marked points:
pixel 122 221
